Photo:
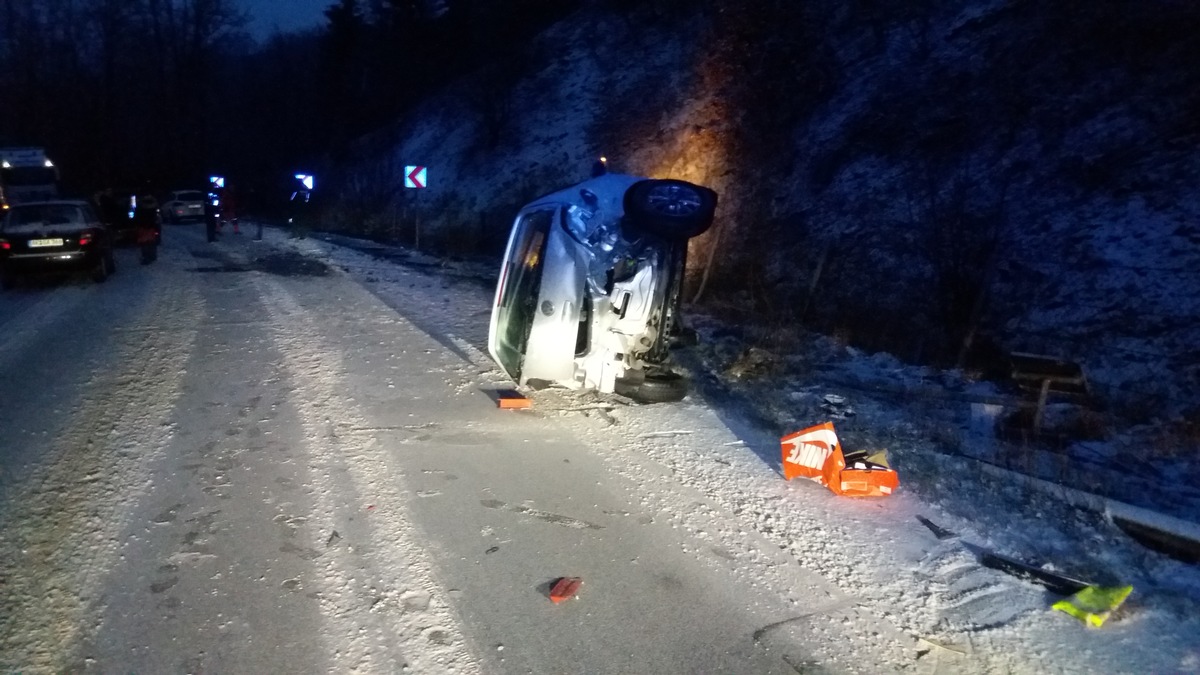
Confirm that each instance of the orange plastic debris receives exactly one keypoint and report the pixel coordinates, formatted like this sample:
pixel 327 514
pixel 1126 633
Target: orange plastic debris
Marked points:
pixel 564 588
pixel 808 454
pixel 816 453
pixel 508 399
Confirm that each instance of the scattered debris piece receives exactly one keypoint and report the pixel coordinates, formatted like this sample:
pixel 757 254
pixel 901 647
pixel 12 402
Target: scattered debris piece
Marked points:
pixel 1094 604
pixel 510 399
pixel 491 550
pixel 816 453
pixel 663 434
pixel 948 646
pixel 1089 603
pixel 332 538
pixel 564 588
pixel 836 407
pixel 1054 582
pixel 604 407
pixel 938 531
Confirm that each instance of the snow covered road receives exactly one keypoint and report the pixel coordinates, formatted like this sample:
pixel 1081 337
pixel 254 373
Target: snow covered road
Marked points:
pixel 281 457
pixel 236 461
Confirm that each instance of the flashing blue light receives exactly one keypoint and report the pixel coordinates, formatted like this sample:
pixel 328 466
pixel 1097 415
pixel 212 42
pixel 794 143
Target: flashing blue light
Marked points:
pixel 217 181
pixel 307 179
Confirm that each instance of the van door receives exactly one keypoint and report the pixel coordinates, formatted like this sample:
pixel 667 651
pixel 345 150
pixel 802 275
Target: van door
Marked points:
pixel 535 318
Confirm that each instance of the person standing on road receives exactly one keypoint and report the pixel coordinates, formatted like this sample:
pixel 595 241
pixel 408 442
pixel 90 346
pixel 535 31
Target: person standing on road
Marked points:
pixel 296 216
pixel 229 208
pixel 147 225
pixel 110 210
pixel 211 215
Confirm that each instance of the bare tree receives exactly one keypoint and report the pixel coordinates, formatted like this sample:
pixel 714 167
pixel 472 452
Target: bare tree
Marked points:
pixel 962 218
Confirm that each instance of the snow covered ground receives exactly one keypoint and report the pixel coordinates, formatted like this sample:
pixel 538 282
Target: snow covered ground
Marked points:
pixel 710 465
pixel 279 456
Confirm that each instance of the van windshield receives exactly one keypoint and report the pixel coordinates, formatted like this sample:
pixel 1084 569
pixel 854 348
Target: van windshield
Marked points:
pixel 520 287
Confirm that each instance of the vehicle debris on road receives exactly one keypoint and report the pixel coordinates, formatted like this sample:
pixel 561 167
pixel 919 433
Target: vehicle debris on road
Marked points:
pixel 816 453
pixel 1094 604
pixel 1090 603
pixel 836 407
pixel 564 588
pixel 511 399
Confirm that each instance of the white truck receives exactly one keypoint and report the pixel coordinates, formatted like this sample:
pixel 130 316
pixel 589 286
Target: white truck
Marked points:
pixel 26 175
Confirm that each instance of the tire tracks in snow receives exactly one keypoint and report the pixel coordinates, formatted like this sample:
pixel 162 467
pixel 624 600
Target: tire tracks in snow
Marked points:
pixel 61 527
pixel 390 613
pixel 30 320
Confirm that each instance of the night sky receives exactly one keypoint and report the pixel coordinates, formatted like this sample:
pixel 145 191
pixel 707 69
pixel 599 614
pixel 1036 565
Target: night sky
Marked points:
pixel 285 15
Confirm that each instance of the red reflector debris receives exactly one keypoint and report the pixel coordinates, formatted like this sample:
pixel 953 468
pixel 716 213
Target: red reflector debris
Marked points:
pixel 564 588
pixel 508 399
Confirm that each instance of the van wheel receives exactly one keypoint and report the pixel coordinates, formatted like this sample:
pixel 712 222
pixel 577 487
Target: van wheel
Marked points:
pixel 671 209
pixel 660 387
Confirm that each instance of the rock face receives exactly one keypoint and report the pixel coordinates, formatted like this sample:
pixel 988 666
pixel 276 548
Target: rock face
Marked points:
pixel 895 176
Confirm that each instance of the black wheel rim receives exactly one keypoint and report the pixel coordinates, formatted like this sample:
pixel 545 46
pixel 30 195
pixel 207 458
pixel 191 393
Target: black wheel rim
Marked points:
pixel 673 200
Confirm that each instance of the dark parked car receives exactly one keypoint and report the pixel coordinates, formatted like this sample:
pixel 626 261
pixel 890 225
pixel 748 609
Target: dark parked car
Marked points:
pixel 54 236
pixel 589 291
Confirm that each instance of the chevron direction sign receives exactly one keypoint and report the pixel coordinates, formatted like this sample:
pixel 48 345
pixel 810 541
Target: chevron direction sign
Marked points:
pixel 415 176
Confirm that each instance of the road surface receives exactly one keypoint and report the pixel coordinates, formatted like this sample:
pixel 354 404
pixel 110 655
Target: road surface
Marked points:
pixel 241 460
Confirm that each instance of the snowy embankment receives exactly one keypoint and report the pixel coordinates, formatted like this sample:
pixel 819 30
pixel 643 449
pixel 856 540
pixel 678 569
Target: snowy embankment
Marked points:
pixel 710 465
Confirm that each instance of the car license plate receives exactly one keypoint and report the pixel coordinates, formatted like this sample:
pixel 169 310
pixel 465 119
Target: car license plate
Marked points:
pixel 44 243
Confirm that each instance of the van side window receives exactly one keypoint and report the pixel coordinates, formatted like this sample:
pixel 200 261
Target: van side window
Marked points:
pixel 521 286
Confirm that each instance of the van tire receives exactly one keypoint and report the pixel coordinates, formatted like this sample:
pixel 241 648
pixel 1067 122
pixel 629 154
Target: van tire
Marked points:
pixel 662 387
pixel 671 209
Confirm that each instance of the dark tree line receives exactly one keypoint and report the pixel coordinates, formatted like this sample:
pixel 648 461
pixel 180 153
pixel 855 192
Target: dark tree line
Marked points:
pixel 161 93
pixel 114 89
